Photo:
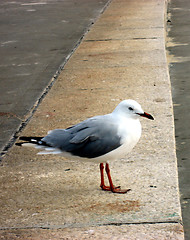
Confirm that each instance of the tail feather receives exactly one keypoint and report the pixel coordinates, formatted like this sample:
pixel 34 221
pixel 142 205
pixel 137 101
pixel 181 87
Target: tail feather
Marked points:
pixel 38 143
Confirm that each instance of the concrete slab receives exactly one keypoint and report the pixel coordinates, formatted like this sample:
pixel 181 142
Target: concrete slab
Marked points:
pixel 114 53
pixel 52 192
pixel 129 232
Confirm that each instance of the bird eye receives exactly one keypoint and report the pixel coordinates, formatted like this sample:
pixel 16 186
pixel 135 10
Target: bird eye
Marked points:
pixel 130 108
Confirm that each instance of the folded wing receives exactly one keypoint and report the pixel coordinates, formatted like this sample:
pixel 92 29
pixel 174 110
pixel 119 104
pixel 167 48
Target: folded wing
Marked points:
pixel 91 138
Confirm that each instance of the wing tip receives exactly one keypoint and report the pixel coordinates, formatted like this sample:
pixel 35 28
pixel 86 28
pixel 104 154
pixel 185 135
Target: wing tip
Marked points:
pixel 28 141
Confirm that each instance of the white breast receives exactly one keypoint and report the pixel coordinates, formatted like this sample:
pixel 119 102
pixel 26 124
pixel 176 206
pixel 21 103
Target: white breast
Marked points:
pixel 130 137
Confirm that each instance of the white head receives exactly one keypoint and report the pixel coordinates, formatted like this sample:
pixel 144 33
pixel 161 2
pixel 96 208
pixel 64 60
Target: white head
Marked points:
pixel 132 109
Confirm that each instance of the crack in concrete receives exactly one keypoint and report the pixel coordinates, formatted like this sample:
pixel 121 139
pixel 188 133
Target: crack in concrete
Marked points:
pixel 92 225
pixel 117 39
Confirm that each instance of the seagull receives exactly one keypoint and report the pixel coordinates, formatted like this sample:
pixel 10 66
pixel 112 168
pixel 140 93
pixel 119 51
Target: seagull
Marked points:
pixel 98 139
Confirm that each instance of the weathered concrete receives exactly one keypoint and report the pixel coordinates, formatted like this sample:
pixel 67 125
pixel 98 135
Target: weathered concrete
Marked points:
pixel 50 192
pixel 130 232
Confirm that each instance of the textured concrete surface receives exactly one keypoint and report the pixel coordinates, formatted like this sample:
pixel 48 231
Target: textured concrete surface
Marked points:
pixel 54 193
pixel 36 39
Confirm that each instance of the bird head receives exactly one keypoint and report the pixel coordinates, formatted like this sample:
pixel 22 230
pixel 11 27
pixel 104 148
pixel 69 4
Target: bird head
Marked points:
pixel 132 109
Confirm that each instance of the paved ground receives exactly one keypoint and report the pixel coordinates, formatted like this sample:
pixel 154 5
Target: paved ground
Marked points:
pixel 123 56
pixel 35 39
pixel 179 57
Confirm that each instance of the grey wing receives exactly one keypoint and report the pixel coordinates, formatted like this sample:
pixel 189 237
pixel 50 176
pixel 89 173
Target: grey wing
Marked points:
pixel 89 139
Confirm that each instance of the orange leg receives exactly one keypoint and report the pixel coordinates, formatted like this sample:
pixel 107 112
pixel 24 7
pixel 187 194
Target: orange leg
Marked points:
pixel 102 185
pixel 111 187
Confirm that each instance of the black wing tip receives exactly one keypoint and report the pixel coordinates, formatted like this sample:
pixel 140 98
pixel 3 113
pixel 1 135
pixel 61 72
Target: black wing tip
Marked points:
pixel 19 144
pixel 29 139
pixel 25 139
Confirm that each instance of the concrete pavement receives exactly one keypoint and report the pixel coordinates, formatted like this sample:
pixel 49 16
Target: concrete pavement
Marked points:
pixel 47 197
pixel 36 40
